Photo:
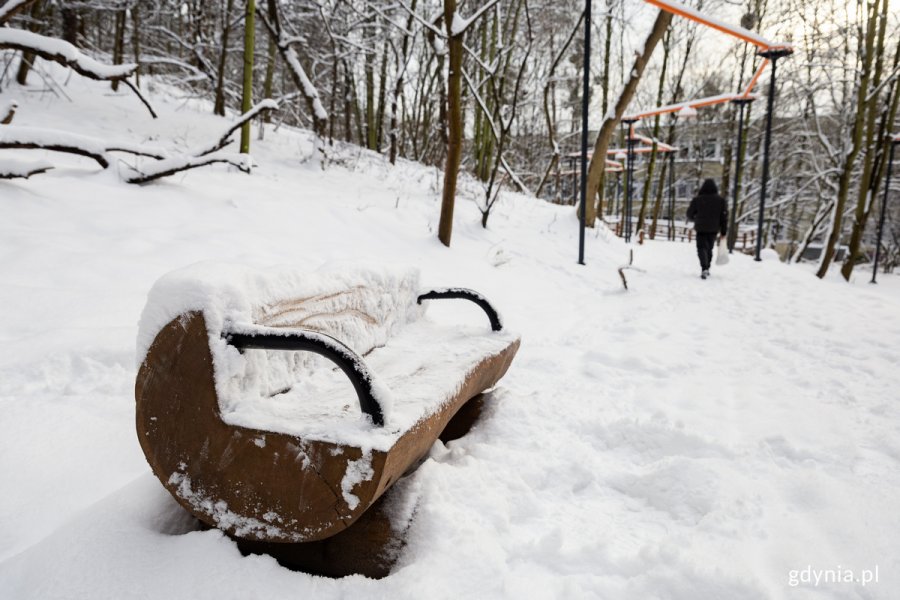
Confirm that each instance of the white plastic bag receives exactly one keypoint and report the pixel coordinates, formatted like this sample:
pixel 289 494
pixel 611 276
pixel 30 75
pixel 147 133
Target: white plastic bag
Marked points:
pixel 722 251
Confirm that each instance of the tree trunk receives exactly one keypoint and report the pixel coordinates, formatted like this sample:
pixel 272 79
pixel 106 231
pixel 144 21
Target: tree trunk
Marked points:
pixel 118 53
pixel 270 75
pixel 70 23
pixel 876 149
pixel 598 160
pixel 454 123
pixel 645 195
pixel 844 182
pixel 247 97
pixel 219 105
pixel 136 40
pixel 398 87
pixel 37 17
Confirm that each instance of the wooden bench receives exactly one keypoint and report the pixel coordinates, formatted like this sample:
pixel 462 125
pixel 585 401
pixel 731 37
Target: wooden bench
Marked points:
pixel 261 441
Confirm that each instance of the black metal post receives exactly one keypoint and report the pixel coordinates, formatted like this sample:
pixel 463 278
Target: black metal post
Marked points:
pixel 741 103
pixel 887 185
pixel 671 196
pixel 585 90
pixel 773 55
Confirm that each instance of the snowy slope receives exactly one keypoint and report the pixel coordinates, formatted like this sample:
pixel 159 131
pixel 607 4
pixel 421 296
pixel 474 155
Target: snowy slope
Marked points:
pixel 687 439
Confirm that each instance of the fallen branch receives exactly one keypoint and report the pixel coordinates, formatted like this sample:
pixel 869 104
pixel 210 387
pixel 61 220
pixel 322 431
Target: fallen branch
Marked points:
pixel 32 138
pixel 66 54
pixel 137 92
pixel 7 112
pixel 163 163
pixel 35 138
pixel 170 166
pixel 628 267
pixel 63 53
pixel 14 169
pixel 11 7
pixel 225 138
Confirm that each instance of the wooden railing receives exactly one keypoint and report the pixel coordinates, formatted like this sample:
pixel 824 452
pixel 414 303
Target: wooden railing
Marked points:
pixel 682 232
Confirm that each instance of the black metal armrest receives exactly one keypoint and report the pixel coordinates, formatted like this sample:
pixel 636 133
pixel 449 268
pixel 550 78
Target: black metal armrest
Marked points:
pixel 319 343
pixel 466 294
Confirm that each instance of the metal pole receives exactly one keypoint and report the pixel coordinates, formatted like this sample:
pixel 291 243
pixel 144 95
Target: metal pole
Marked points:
pixel 887 185
pixel 672 195
pixel 585 90
pixel 742 103
pixel 773 56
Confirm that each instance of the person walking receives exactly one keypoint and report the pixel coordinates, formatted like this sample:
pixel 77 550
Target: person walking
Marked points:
pixel 709 212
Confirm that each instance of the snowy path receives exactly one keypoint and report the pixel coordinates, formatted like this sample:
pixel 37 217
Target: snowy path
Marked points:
pixel 684 440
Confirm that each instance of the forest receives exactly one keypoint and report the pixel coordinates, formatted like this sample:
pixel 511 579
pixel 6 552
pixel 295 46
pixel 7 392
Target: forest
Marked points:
pixel 492 90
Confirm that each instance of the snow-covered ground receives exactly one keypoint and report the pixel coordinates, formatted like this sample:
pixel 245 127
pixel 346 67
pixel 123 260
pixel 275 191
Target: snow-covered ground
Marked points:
pixel 686 439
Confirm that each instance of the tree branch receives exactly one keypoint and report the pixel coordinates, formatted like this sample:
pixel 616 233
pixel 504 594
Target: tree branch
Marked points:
pixel 170 166
pixel 8 10
pixel 225 138
pixel 13 169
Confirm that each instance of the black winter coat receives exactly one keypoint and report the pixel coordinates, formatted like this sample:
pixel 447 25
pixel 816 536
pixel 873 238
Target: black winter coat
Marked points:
pixel 708 210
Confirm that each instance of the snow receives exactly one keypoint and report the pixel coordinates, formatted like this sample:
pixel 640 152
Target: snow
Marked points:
pixel 685 439
pixel 12 168
pixel 459 24
pixel 413 364
pixel 17 134
pixel 357 471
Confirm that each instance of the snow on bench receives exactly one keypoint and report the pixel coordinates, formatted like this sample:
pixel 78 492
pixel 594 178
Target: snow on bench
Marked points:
pixel 276 445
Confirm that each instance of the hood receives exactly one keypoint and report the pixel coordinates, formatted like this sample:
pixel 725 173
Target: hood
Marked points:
pixel 708 188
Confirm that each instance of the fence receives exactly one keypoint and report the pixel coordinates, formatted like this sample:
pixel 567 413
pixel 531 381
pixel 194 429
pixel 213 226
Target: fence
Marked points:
pixel 682 232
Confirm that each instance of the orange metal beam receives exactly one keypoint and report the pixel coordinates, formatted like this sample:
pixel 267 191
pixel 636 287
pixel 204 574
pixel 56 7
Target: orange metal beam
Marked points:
pixel 676 8
pixel 755 79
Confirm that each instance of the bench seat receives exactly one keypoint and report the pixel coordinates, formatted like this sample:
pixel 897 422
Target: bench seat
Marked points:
pixel 272 445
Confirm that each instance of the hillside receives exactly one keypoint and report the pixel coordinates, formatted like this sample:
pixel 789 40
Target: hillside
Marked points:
pixel 685 439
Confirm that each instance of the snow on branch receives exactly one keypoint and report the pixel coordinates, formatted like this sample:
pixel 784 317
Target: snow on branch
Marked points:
pixel 460 24
pixel 11 7
pixel 64 53
pixel 204 155
pixel 285 48
pixel 225 138
pixel 162 164
pixel 16 169
pixel 176 164
pixel 33 138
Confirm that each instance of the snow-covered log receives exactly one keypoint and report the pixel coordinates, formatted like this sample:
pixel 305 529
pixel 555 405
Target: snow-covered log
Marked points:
pixel 7 112
pixel 176 164
pixel 16 169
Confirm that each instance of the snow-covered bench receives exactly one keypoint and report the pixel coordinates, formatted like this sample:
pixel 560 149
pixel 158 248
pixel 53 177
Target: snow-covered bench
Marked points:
pixel 273 445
